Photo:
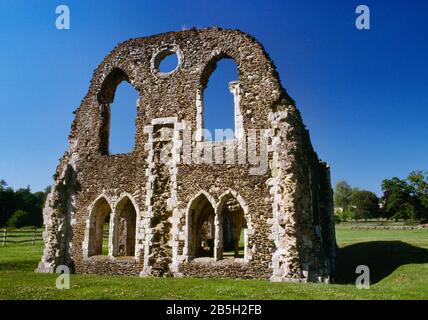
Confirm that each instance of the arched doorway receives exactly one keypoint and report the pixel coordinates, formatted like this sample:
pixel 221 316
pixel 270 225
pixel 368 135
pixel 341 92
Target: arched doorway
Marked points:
pixel 201 227
pixel 234 224
pixel 124 228
pixel 98 223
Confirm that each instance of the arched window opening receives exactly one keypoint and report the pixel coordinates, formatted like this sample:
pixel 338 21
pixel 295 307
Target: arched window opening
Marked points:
pixel 125 228
pixel 118 107
pixel 99 228
pixel 123 113
pixel 234 224
pixel 220 101
pixel 202 228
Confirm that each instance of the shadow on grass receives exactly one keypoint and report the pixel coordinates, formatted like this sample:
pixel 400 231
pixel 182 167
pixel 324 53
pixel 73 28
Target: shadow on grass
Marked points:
pixel 382 258
pixel 18 266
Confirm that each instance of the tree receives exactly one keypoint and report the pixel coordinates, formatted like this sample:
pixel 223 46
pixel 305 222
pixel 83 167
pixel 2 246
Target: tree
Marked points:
pixel 37 215
pixel 21 199
pixel 3 184
pixel 7 202
pixel 365 204
pixel 397 199
pixel 47 190
pixel 342 195
pixel 19 219
pixel 418 182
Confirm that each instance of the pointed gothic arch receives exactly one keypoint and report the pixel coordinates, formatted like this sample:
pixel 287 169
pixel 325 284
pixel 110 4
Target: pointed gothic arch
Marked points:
pixel 124 118
pixel 233 218
pixel 101 209
pixel 124 228
pixel 201 226
pixel 216 96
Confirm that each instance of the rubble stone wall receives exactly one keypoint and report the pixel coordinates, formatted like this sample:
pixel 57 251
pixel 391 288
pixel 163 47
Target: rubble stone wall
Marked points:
pixel 289 226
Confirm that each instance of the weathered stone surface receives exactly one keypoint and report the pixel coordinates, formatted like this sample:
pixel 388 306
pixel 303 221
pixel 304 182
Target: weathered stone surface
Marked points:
pixel 286 211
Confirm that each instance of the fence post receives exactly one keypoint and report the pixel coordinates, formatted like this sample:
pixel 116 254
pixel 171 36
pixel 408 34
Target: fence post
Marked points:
pixel 4 237
pixel 34 236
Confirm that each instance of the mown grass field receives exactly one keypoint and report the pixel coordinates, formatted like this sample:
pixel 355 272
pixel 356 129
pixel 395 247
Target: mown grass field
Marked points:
pixel 398 262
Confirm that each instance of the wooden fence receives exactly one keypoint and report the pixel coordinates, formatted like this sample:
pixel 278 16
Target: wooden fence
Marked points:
pixel 28 236
pixel 20 236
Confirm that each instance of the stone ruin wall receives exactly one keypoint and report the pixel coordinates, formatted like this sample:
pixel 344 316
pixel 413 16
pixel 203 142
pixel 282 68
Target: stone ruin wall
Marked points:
pixel 288 209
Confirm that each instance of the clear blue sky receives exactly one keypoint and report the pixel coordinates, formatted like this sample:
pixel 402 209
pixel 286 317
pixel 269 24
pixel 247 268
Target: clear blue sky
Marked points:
pixel 363 94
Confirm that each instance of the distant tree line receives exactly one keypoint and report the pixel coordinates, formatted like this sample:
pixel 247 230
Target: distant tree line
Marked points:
pixel 401 199
pixel 353 203
pixel 21 207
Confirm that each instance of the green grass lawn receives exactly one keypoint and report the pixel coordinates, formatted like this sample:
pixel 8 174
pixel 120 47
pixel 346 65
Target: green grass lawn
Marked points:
pixel 398 261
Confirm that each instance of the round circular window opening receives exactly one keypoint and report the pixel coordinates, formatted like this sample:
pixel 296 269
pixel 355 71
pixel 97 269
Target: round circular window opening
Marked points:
pixel 166 61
